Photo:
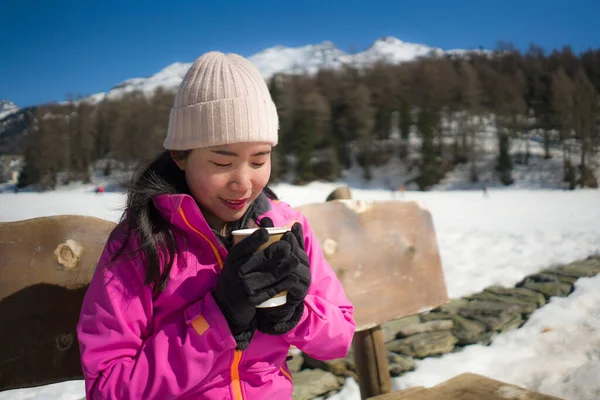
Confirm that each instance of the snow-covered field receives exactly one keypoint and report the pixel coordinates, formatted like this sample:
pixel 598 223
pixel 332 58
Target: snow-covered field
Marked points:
pixel 484 240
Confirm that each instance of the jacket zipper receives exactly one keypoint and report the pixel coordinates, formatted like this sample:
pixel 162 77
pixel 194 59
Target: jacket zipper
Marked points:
pixel 237 354
pixel 235 374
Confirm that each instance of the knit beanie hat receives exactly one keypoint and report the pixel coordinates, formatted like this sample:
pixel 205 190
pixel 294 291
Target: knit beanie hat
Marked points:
pixel 222 99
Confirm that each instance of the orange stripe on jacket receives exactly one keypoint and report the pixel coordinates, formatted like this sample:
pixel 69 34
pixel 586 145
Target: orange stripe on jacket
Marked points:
pixel 212 246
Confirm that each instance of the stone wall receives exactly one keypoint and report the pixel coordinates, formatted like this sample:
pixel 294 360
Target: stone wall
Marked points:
pixel 475 319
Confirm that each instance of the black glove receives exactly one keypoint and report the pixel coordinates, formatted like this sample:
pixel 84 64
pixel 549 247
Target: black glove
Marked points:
pixel 281 319
pixel 250 277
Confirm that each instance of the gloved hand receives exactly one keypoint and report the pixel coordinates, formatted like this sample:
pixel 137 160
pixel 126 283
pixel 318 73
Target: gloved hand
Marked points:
pixel 250 277
pixel 281 319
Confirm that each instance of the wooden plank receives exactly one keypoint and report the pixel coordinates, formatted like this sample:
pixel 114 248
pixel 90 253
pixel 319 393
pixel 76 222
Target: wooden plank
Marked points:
pixel 28 251
pixel 470 386
pixel 40 298
pixel 385 253
pixel 399 395
pixel 371 363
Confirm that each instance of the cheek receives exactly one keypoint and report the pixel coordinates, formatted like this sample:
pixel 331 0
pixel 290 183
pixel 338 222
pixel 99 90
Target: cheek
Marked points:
pixel 261 178
pixel 203 186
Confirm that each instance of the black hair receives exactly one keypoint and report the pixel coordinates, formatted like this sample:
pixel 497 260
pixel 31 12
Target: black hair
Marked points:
pixel 142 220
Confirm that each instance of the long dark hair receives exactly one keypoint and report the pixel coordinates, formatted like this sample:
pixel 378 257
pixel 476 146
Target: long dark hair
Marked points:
pixel 143 221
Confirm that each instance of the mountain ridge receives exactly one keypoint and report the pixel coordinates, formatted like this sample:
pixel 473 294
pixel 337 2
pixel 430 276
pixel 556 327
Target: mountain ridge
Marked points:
pixel 290 60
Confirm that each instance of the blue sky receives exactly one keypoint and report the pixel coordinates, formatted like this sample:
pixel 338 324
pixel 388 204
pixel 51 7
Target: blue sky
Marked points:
pixel 51 48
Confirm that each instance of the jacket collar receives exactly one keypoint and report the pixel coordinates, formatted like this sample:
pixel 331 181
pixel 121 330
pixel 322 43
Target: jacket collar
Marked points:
pixel 182 211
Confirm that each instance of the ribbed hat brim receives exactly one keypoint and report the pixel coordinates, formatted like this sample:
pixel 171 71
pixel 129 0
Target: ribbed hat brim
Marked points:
pixel 225 121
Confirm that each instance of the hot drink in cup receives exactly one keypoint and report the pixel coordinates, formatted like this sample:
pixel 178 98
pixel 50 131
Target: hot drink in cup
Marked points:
pixel 275 234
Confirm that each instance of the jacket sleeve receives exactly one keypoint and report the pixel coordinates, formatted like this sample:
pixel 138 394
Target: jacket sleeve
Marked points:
pixel 326 328
pixel 123 357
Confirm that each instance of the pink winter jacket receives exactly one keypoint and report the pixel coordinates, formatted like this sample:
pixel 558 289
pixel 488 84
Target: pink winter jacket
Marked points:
pixel 177 344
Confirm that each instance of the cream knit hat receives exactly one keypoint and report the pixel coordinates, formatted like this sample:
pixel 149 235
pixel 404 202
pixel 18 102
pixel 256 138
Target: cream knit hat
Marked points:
pixel 222 99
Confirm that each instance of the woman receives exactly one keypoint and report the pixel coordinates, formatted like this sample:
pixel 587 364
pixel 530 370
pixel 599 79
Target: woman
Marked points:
pixel 171 310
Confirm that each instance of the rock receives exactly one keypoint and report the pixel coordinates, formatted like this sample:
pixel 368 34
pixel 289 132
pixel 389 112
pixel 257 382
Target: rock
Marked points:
pixel 424 344
pixel 396 358
pixel 468 331
pixel 453 306
pixel 310 383
pixel 540 277
pixel 520 293
pixel 430 326
pixel 564 278
pixel 399 369
pixel 398 363
pixel 493 314
pixel 577 269
pixel 339 366
pixel 549 289
pixel 399 346
pixel 295 363
pixel 526 307
pixel 516 322
pixel 434 316
pixel 392 327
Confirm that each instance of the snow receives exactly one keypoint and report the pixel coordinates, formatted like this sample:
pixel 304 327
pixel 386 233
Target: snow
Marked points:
pixel 71 390
pixel 297 60
pixel 556 352
pixel 7 108
pixel 394 51
pixel 168 78
pixel 483 240
pixel 289 60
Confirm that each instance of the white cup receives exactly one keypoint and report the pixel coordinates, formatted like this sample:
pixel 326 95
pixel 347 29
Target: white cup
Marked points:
pixel 274 235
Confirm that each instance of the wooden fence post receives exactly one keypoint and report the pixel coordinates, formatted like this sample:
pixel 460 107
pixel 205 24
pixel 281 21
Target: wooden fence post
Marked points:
pixel 370 356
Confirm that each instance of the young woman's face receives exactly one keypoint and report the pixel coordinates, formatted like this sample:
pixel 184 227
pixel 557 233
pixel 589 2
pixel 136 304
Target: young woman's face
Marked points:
pixel 225 180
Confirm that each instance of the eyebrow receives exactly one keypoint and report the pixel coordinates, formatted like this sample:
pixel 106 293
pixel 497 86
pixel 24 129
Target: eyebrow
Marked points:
pixel 233 154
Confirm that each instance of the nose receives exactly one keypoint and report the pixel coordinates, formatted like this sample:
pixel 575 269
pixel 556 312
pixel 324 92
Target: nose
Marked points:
pixel 241 180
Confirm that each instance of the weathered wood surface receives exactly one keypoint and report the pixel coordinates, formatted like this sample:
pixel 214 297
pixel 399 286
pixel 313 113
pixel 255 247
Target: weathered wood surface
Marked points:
pixel 385 253
pixel 45 267
pixel 370 358
pixel 467 386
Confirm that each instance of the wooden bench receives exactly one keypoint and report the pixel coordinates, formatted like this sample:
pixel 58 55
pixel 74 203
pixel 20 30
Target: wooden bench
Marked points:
pixel 384 252
pixel 466 387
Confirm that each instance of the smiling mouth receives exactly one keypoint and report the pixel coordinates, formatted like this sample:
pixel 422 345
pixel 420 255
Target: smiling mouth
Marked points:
pixel 235 204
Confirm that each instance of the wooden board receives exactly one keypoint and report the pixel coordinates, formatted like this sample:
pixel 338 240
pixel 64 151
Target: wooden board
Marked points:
pixel 385 253
pixel 40 298
pixel 468 387
pixel 28 247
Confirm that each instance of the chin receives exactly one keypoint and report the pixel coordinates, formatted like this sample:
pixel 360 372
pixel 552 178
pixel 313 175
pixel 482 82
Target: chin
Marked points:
pixel 230 216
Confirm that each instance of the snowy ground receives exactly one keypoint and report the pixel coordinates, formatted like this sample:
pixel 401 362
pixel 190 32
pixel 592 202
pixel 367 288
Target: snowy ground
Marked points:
pixel 496 239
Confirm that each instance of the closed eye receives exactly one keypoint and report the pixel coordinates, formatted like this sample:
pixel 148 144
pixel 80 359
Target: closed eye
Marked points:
pixel 221 165
pixel 258 164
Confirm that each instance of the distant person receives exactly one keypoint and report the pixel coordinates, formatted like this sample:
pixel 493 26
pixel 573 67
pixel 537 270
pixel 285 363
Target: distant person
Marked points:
pixel 171 309
pixel 99 189
pixel 485 190
pixel 387 183
pixel 402 190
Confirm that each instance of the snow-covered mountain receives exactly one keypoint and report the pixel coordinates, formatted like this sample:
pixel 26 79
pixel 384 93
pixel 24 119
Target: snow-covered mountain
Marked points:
pixel 291 60
pixel 7 108
pixel 296 60
pixel 169 78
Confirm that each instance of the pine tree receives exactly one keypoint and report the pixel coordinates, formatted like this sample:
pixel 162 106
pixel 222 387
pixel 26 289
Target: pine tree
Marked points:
pixel 429 166
pixel 561 106
pixel 357 121
pixel 585 112
pixel 504 166
pixel 471 98
pixel 303 145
